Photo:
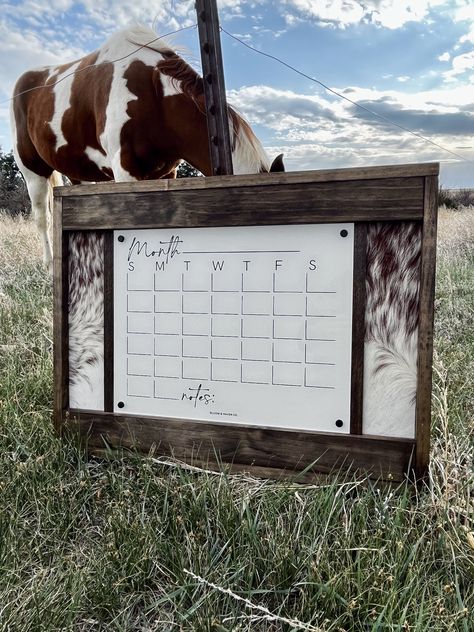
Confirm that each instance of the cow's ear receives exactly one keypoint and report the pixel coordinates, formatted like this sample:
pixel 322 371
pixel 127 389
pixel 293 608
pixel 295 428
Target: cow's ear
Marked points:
pixel 277 164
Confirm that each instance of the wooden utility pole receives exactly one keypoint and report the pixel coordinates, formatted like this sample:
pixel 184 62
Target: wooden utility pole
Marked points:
pixel 214 87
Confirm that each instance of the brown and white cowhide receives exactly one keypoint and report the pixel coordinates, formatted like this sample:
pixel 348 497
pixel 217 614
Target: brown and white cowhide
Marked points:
pixel 391 335
pixel 86 320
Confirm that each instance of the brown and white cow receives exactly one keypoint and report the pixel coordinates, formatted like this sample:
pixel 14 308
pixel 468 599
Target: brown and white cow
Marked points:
pixel 129 111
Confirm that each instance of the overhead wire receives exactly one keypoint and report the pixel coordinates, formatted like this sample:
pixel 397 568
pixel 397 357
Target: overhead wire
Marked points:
pixel 342 96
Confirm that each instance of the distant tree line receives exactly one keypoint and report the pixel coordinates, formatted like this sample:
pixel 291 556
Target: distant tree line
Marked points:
pixel 14 198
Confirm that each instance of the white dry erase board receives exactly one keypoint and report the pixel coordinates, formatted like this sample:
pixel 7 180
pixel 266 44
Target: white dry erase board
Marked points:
pixel 236 324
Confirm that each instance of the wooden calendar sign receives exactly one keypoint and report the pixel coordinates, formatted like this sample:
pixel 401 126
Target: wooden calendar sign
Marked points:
pixel 280 322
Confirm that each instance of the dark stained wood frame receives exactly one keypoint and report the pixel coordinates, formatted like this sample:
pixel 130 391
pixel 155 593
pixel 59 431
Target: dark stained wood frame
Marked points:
pixel 395 194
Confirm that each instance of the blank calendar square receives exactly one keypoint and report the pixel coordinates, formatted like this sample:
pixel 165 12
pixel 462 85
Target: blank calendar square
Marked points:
pixel 288 327
pixel 317 283
pixel 196 325
pixel 195 303
pixel 318 328
pixel 225 281
pixel 288 304
pixel 140 386
pixel 139 345
pixel 167 367
pixel 320 352
pixel 288 374
pixel 140 324
pixel 165 389
pixel 196 369
pixel 167 324
pixel 288 351
pixel 257 349
pixel 225 371
pixel 286 279
pixel 320 376
pixel 195 279
pixel 168 302
pixel 140 365
pixel 256 279
pixel 257 303
pixel 225 325
pixel 322 304
pixel 168 280
pixel 196 347
pixel 256 373
pixel 225 349
pixel 139 302
pixel 225 303
pixel 257 327
pixel 167 345
pixel 140 281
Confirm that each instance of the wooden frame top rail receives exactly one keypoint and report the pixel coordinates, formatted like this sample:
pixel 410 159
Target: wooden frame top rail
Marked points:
pixel 264 179
pixel 262 200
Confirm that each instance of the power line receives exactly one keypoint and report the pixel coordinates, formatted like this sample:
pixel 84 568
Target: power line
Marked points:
pixel 338 94
pixel 113 61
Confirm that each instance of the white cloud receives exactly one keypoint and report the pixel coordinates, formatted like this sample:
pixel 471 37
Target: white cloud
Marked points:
pixel 342 12
pixel 392 14
pixel 459 65
pixel 468 37
pixel 317 131
pixel 28 50
pixel 444 57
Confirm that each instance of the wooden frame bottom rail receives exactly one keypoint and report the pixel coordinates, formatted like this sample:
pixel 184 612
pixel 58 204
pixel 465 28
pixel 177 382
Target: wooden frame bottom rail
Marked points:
pixel 269 448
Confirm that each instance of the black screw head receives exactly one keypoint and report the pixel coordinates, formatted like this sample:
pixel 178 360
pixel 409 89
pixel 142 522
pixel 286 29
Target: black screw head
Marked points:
pixel 343 233
pixel 121 238
pixel 120 405
pixel 339 423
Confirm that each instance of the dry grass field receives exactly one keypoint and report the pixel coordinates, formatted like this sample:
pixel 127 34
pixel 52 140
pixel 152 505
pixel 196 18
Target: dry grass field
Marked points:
pixel 146 544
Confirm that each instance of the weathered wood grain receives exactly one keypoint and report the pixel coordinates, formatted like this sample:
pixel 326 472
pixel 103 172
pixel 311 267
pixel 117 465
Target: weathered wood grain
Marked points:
pixel 108 321
pixel 60 324
pixel 366 200
pixel 425 327
pixel 263 447
pixel 358 326
pixel 262 179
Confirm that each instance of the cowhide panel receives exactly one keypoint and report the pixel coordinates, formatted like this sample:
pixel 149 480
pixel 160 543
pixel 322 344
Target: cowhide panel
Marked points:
pixel 390 359
pixel 86 321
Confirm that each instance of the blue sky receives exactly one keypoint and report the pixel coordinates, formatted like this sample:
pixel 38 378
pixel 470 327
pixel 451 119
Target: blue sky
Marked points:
pixel 412 61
